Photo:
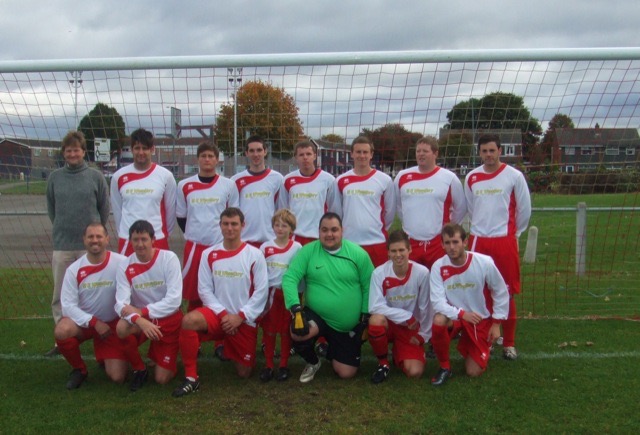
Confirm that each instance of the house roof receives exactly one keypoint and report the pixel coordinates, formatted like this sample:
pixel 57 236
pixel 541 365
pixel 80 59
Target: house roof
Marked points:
pixel 326 145
pixel 511 136
pixel 597 137
pixel 33 143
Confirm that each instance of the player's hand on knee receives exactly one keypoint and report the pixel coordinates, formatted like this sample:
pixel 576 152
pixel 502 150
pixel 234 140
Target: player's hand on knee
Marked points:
pixel 299 323
pixel 364 326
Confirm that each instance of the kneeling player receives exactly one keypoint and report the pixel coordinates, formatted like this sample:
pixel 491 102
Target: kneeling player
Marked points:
pixel 148 299
pixel 233 287
pixel 460 283
pixel 88 295
pixel 277 320
pixel 400 310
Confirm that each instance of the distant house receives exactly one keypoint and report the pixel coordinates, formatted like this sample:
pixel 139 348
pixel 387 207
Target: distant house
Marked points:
pixel 335 158
pixel 580 149
pixel 28 157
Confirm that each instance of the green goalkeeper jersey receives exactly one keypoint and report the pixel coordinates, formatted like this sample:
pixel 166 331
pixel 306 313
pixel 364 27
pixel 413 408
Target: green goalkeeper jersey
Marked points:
pixel 337 285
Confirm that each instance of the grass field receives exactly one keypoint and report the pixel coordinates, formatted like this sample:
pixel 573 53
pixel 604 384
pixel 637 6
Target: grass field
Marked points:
pixel 24 188
pixel 582 389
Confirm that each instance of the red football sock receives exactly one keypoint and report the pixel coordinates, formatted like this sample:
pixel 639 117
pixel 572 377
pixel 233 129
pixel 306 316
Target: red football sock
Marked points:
pixel 70 350
pixel 379 343
pixel 509 325
pixel 285 348
pixel 440 340
pixel 189 344
pixel 130 344
pixel 269 341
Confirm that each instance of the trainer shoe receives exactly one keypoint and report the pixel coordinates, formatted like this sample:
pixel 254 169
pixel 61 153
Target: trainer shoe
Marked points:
pixel 309 372
pixel 321 349
pixel 54 351
pixel 139 378
pixel 509 353
pixel 283 374
pixel 292 351
pixel 76 378
pixel 187 387
pixel 381 374
pixel 266 374
pixel 441 377
pixel 219 351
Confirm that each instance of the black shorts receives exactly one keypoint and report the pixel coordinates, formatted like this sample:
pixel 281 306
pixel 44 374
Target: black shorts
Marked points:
pixel 344 347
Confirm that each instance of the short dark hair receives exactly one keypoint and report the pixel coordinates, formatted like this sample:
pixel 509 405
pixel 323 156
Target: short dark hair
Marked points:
pixel 73 138
pixel 398 236
pixel 304 144
pixel 254 138
pixel 231 212
pixel 330 215
pixel 207 146
pixel 489 137
pixel 362 139
pixel 451 229
pixel 143 137
pixel 142 226
pixel 96 224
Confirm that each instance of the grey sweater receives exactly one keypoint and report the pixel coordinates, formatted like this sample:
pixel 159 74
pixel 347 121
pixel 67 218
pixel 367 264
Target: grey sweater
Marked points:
pixel 76 196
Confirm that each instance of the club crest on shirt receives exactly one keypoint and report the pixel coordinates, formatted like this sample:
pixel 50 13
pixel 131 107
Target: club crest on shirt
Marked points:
pixel 189 186
pixel 132 270
pixel 125 178
pixel 409 176
pixel 346 180
pixel 270 251
pixel 445 272
pixel 473 178
pixel 83 274
pixel 242 182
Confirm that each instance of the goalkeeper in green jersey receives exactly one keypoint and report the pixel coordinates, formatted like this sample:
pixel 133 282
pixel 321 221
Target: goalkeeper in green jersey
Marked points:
pixel 336 273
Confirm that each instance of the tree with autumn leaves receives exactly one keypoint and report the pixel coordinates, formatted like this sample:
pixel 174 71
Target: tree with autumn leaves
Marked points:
pixel 265 110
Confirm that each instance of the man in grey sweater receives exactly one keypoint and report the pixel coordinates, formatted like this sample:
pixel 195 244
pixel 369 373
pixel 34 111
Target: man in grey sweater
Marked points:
pixel 77 195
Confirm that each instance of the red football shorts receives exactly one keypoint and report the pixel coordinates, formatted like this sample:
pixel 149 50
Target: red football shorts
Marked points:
pixel 277 319
pixel 403 349
pixel 165 351
pixel 378 253
pixel 105 348
pixel 474 341
pixel 504 252
pixel 191 262
pixel 426 252
pixel 240 347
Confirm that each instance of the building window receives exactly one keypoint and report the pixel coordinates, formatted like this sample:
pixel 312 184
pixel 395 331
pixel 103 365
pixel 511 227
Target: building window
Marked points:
pixel 569 169
pixel 631 151
pixel 50 153
pixel 509 149
pixel 36 152
pixel 613 151
pixel 586 151
pixel 569 151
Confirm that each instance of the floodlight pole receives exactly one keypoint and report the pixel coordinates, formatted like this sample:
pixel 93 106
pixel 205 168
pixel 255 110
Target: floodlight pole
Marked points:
pixel 235 79
pixel 76 82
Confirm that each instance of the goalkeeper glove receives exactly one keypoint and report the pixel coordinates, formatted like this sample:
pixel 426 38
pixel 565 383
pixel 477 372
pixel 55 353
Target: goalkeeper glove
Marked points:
pixel 300 324
pixel 364 326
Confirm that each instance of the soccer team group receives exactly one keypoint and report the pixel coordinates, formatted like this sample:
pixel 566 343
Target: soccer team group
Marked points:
pixel 306 257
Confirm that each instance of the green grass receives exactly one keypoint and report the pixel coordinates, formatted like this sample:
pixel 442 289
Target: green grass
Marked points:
pixel 25 188
pixel 583 389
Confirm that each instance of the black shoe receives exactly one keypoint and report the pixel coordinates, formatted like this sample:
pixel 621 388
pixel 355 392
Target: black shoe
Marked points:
pixel 187 387
pixel 220 353
pixel 76 378
pixel 283 374
pixel 266 374
pixel 381 374
pixel 292 352
pixel 441 377
pixel 54 351
pixel 139 378
pixel 321 349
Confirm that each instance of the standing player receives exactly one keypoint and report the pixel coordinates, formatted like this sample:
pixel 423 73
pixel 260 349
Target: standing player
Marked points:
pixel 201 199
pixel 368 202
pixel 309 192
pixel 500 207
pixel 428 197
pixel 233 286
pixel 258 188
pixel 461 282
pixel 76 196
pixel 400 310
pixel 278 252
pixel 148 300
pixel 143 191
pixel 337 275
pixel 88 297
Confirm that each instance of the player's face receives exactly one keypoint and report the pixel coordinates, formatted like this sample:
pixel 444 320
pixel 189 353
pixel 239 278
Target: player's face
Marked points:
pixel 331 234
pixel 362 155
pixel 73 155
pixel 95 240
pixel 425 157
pixel 231 228
pixel 142 155
pixel 282 229
pixel 207 162
pixel 256 153
pixel 143 246
pixel 399 253
pixel 306 158
pixel 455 248
pixel 490 155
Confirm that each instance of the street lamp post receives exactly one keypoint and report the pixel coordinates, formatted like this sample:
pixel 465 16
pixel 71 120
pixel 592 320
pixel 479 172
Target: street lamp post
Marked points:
pixel 76 82
pixel 235 79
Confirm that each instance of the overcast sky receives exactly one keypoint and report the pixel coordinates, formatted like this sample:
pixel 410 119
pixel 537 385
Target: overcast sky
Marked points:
pixel 34 30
